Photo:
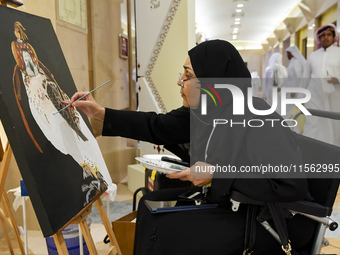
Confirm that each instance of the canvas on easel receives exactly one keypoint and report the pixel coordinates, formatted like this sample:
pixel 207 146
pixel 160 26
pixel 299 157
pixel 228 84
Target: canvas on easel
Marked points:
pixel 57 154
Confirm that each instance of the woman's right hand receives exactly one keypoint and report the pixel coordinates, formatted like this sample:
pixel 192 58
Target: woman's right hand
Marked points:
pixel 88 105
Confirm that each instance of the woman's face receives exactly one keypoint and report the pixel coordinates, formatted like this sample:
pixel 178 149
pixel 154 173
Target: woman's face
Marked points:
pixel 189 92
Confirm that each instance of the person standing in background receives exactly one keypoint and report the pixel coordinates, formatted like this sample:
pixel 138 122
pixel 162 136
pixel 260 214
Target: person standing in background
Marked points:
pixel 274 76
pixel 256 84
pixel 296 67
pixel 322 80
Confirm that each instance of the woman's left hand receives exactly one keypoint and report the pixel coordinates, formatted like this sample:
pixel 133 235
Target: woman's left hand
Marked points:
pixel 197 179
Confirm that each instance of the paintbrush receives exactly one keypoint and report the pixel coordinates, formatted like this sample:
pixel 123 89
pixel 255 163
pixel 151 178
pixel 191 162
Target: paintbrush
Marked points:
pixel 81 97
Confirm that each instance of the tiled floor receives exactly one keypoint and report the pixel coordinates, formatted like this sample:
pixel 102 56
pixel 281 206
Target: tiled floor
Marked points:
pixel 37 243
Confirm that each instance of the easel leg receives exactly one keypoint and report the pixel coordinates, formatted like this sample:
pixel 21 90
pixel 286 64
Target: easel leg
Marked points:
pixel 3 174
pixel 3 223
pixel 4 168
pixel 88 238
pixel 8 213
pixel 25 224
pixel 112 251
pixel 107 225
pixel 1 151
pixel 60 243
pixel 81 248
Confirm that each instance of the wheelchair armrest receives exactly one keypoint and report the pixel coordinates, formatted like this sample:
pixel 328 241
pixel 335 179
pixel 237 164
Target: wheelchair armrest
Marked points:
pixel 298 207
pixel 308 208
pixel 239 197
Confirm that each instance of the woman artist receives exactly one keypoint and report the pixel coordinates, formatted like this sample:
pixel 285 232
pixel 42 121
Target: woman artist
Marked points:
pixel 220 230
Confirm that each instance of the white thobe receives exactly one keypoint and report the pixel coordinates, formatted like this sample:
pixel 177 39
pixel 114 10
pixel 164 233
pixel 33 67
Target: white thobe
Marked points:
pixel 256 85
pixel 295 72
pixel 269 83
pixel 321 66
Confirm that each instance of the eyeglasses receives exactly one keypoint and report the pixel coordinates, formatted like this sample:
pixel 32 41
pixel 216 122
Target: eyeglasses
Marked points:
pixel 180 79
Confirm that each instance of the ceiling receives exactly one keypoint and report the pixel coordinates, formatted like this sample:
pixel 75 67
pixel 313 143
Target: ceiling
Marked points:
pixel 258 19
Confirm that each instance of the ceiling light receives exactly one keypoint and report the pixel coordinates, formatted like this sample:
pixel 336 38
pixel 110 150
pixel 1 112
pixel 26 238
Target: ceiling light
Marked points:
pixel 236 29
pixel 237 22
pixel 238 10
pixel 313 25
pixel 237 19
pixel 240 5
pixel 234 37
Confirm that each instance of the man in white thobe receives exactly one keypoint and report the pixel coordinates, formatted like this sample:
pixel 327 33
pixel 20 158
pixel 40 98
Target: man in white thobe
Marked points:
pixel 256 84
pixel 297 65
pixel 274 75
pixel 323 73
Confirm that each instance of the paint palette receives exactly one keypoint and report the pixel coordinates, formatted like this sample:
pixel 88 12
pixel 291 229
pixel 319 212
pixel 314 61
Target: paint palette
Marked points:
pixel 161 166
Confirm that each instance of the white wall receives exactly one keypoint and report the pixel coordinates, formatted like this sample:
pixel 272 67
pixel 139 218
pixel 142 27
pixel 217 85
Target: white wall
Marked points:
pixel 161 51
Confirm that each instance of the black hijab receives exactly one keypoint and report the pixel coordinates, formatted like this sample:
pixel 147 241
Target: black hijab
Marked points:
pixel 218 61
pixel 215 62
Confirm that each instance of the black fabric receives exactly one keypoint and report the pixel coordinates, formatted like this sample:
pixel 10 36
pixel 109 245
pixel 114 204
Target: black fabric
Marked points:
pixel 221 231
pixel 250 228
pixel 217 59
pixel 217 231
pixel 237 145
pixel 160 181
pixel 315 152
pixel 171 130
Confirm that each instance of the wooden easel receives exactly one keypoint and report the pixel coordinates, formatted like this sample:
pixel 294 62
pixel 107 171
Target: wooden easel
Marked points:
pixel 80 219
pixel 6 214
pixel 3 2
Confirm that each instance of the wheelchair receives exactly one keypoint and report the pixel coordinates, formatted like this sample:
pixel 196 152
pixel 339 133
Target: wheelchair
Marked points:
pixel 323 190
pixel 274 216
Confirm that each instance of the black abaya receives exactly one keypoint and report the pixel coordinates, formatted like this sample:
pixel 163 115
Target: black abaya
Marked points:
pixel 216 231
